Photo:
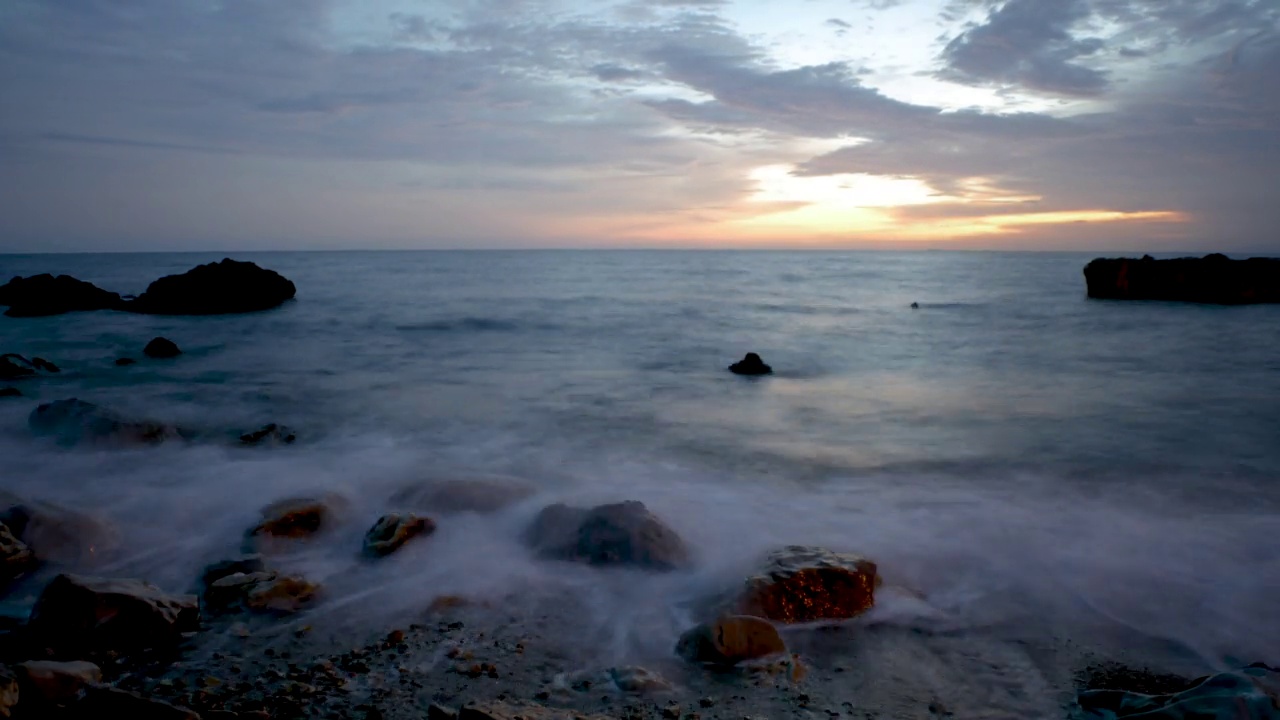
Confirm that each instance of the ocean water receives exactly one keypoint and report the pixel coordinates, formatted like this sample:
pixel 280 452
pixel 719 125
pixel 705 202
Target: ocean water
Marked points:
pixel 1021 456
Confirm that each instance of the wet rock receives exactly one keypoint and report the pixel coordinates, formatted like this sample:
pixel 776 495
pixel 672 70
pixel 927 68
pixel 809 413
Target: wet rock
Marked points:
pixel 10 392
pixel 616 534
pixel 478 495
pixel 86 613
pixel 639 680
pixel 751 364
pixel 74 421
pixel 162 349
pixel 43 295
pixel 216 571
pixel 125 361
pixel 1212 279
pixel 730 640
pixel 394 530
pixel 46 682
pixel 16 559
pixel 282 595
pixel 1251 692
pixel 215 289
pixel 269 434
pixel 57 534
pixel 109 702
pixel 9 692
pixel 230 593
pixel 805 584
pixel 293 519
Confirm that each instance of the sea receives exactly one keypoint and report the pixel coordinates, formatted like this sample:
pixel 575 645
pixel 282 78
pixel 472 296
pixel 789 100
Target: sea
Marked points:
pixel 1015 454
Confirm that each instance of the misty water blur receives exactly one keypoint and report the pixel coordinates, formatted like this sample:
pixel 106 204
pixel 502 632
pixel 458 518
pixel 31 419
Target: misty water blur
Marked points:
pixel 1021 456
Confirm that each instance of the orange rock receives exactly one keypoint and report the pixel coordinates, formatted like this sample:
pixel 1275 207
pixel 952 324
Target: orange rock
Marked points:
pixel 394 530
pixel 730 640
pixel 293 519
pixel 807 584
pixel 283 595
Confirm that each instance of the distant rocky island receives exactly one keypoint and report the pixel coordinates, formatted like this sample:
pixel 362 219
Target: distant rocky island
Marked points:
pixel 1214 279
pixel 217 288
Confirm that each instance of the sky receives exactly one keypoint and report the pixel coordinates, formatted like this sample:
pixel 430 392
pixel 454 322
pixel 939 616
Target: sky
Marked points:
pixel 348 124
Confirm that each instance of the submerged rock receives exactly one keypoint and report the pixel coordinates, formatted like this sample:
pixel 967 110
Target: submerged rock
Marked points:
pixel 623 533
pixel 730 640
pixel 57 534
pixel 751 364
pixel 73 421
pixel 293 519
pixel 124 361
pixel 394 530
pixel 478 495
pixel 86 613
pixel 269 434
pixel 1213 279
pixel 801 584
pixel 215 289
pixel 162 349
pixel 1248 693
pixel 42 295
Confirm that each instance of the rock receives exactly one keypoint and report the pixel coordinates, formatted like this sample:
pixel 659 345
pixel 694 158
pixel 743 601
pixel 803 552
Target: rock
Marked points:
pixel 440 712
pixel 86 613
pixel 216 571
pixel 124 361
pixel 1252 692
pixel 10 392
pixel 55 683
pixel 215 289
pixel 751 364
pixel 394 530
pixel 639 680
pixel 506 711
pixel 283 595
pixel 9 692
pixel 617 534
pixel 230 593
pixel 56 534
pixel 42 295
pixel 74 421
pixel 44 365
pixel 269 434
pixel 804 584
pixel 915 306
pixel 16 559
pixel 109 702
pixel 293 519
pixel 161 349
pixel 1212 279
pixel 730 640
pixel 478 495
pixel 9 370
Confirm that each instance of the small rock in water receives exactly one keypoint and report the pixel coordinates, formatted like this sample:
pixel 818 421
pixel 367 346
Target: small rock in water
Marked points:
pixel 230 593
pixel 269 434
pixel 161 348
pixel 805 584
pixel 293 519
pixel 623 533
pixel 394 530
pixel 10 392
pixel 751 364
pixel 730 640
pixel 125 361
pixel 915 306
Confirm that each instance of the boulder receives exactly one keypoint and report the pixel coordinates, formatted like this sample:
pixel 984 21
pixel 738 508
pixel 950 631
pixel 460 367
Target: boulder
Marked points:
pixel 215 289
pixel 77 613
pixel 161 349
pixel 730 640
pixel 216 571
pixel 230 593
pixel 639 680
pixel 16 559
pixel 57 534
pixel 293 519
pixel 617 534
pixel 73 421
pixel 41 295
pixel 282 595
pixel 49 683
pixel 124 361
pixel 9 692
pixel 751 364
pixel 800 584
pixel 269 434
pixel 394 530
pixel 478 495
pixel 102 701
pixel 1212 279
pixel 10 392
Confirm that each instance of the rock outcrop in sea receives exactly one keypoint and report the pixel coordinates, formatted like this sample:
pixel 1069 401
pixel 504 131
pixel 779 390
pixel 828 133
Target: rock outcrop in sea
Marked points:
pixel 1214 279
pixel 751 364
pixel 43 295
pixel 161 348
pixel 217 288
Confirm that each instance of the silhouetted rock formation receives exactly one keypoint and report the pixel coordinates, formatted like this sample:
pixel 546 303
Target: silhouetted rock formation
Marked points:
pixel 14 366
pixel 77 613
pixel 41 295
pixel 122 362
pixel 162 349
pixel 1212 279
pixel 215 289
pixel 750 365
pixel 269 434
pixel 10 392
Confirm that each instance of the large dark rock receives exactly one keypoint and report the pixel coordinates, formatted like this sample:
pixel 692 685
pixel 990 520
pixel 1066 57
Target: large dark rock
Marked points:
pixel 1212 279
pixel 41 295
pixel 161 349
pixel 215 289
pixel 800 584
pixel 623 533
pixel 78 613
pixel 10 392
pixel 751 364
pixel 74 421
